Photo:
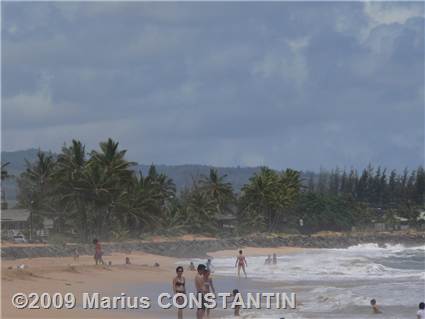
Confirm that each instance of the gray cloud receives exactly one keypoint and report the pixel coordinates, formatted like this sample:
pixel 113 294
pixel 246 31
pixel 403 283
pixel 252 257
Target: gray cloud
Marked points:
pixel 281 84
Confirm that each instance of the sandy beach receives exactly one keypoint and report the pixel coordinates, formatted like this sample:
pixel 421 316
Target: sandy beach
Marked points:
pixel 64 275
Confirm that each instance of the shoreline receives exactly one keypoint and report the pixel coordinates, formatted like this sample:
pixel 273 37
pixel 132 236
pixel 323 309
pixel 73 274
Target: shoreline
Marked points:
pixel 196 247
pixel 141 278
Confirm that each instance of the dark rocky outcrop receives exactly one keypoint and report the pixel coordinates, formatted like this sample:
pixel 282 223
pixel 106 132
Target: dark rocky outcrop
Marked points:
pixel 199 248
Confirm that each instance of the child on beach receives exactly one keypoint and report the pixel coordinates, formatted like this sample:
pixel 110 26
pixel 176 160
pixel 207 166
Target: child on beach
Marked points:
pixel 268 260
pixel 237 307
pixel 241 263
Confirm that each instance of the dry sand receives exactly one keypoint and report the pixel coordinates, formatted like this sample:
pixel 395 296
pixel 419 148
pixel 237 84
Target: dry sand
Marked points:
pixel 63 275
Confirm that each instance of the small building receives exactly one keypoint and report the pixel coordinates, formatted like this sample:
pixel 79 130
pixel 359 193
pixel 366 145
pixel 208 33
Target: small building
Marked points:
pixel 227 222
pixel 402 223
pixel 379 226
pixel 15 219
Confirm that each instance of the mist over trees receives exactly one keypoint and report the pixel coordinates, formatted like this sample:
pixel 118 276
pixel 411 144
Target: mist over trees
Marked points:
pixel 98 193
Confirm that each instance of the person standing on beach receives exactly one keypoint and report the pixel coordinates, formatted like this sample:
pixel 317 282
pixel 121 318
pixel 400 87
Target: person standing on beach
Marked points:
pixel 76 255
pixel 274 259
pixel 241 264
pixel 199 285
pixel 179 286
pixel 208 287
pixel 98 252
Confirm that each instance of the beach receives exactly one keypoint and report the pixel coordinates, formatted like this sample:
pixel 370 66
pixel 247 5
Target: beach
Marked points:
pixel 329 283
pixel 64 275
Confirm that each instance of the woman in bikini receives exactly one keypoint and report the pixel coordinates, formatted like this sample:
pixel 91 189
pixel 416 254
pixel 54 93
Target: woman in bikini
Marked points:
pixel 241 263
pixel 179 286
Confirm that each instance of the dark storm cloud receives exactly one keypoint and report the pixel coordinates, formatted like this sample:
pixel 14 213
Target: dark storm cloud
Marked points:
pixel 281 84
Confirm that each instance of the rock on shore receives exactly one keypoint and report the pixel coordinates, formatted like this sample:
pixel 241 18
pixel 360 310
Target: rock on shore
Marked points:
pixel 199 248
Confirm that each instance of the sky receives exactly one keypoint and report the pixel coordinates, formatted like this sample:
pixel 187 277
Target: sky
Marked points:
pixel 281 84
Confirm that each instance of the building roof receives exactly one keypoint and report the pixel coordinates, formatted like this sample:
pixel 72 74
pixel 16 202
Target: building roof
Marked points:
pixel 14 215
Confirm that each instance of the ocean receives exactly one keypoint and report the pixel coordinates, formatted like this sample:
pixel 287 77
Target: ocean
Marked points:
pixel 329 283
pixel 337 283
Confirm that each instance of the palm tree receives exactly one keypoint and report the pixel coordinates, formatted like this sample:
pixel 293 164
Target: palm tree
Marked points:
pixel 113 161
pixel 107 174
pixel 140 204
pixel 36 187
pixel 98 189
pixel 38 177
pixel 216 188
pixel 69 171
pixel 261 195
pixel 200 211
pixel 162 185
pixel 268 194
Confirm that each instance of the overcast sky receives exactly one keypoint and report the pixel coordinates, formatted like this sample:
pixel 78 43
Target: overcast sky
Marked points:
pixel 298 85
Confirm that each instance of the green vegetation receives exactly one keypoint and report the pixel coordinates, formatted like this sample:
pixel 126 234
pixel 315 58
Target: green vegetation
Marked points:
pixel 100 194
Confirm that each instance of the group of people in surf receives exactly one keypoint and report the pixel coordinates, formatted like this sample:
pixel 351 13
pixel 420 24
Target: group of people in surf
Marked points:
pixel 204 284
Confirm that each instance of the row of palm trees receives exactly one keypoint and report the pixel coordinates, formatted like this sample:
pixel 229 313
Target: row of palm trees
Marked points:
pixel 99 193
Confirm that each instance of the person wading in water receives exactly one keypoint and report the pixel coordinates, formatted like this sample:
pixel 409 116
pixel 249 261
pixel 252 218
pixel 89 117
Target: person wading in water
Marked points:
pixel 241 264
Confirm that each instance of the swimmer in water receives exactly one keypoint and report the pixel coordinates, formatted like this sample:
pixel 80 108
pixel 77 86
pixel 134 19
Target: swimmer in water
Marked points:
pixel 375 307
pixel 421 312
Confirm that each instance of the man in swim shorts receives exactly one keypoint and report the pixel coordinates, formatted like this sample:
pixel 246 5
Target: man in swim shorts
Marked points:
pixel 199 285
